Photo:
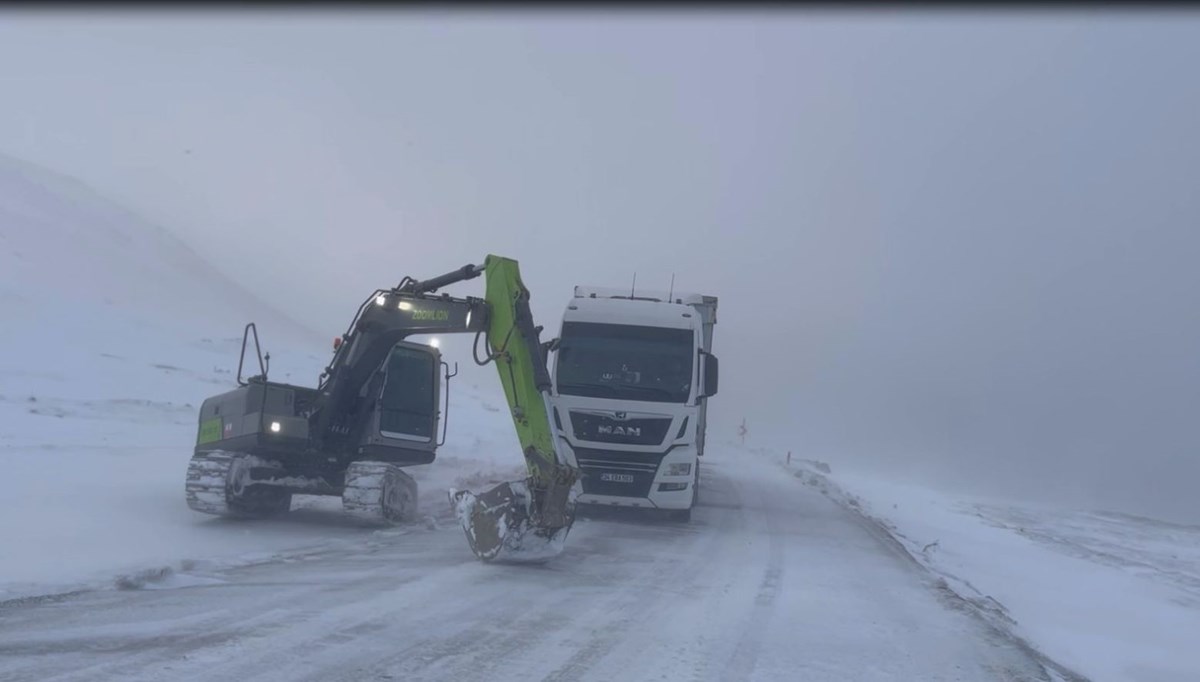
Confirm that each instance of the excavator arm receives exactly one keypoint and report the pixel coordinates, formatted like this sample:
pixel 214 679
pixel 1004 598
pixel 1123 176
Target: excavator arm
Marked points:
pixel 514 346
pixel 525 520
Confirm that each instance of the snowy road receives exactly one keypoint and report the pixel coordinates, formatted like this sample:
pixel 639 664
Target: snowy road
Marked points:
pixel 771 581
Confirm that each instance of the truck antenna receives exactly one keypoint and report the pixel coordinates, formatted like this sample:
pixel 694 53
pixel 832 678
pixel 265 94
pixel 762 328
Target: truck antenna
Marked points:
pixel 672 291
pixel 634 286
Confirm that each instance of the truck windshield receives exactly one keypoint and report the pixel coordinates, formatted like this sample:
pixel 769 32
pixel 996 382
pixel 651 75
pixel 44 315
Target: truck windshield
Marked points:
pixel 625 362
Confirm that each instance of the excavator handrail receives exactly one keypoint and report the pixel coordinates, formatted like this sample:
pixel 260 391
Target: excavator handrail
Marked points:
pixel 262 367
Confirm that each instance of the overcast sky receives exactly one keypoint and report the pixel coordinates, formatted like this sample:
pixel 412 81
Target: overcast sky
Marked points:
pixel 955 245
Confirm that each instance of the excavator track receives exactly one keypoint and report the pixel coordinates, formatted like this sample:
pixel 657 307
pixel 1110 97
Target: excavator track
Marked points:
pixel 218 483
pixel 379 492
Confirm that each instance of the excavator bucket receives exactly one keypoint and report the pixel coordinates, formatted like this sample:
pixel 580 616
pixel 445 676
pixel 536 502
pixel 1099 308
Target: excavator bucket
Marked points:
pixel 509 524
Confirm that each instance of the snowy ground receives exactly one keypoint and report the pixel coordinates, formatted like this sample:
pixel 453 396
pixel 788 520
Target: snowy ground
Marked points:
pixel 1112 596
pixel 772 581
pixel 94 473
pixel 108 575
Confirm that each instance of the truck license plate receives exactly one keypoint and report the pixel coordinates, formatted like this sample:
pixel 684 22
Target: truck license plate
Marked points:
pixel 617 478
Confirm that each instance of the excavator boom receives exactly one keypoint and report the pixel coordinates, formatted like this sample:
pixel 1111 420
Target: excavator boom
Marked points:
pixel 522 520
pixel 519 361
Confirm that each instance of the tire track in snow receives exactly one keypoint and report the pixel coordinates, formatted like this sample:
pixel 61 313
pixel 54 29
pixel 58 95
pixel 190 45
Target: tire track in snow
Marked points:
pixel 625 611
pixel 745 655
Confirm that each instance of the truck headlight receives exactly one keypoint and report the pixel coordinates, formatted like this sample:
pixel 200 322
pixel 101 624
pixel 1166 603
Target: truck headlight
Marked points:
pixel 679 469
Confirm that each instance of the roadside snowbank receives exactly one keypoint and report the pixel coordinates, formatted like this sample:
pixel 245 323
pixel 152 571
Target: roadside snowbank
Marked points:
pixel 1110 596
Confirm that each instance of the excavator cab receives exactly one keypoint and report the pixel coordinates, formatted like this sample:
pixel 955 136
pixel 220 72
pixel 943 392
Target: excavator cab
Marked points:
pixel 408 403
pixel 404 395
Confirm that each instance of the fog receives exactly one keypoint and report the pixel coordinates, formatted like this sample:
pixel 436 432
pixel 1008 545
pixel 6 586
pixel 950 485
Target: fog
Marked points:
pixel 959 247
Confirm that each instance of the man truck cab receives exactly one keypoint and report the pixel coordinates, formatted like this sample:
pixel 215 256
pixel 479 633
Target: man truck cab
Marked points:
pixel 632 378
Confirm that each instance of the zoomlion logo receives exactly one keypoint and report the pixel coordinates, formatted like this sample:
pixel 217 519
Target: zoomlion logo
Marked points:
pixel 605 430
pixel 434 315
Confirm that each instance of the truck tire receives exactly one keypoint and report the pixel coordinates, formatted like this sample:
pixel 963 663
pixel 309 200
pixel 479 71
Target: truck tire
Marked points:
pixel 696 487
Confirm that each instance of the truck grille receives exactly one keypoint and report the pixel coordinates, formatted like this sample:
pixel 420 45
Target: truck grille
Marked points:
pixel 601 429
pixel 625 474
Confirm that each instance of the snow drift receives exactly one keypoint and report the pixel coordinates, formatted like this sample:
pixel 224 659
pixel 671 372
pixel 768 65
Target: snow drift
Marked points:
pixel 1112 596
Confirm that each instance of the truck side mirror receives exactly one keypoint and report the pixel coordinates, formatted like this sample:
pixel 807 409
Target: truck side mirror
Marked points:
pixel 710 375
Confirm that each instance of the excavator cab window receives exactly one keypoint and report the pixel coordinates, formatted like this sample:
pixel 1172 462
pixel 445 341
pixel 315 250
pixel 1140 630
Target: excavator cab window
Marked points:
pixel 408 403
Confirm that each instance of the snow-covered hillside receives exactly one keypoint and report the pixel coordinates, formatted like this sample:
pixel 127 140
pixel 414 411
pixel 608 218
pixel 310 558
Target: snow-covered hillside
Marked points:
pixel 113 332
pixel 69 255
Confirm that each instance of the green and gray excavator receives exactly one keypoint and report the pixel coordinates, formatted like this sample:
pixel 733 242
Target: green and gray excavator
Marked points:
pixel 376 410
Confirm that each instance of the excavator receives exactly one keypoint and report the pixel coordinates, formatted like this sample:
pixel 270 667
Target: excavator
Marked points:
pixel 376 410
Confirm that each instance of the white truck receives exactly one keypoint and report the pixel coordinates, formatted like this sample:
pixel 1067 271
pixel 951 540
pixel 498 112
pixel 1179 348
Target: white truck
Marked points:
pixel 632 378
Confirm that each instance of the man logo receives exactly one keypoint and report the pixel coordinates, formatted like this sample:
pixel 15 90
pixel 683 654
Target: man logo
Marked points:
pixel 631 431
pixel 619 415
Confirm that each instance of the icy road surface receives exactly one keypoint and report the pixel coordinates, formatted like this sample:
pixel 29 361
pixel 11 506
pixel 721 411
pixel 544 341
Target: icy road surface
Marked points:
pixel 771 581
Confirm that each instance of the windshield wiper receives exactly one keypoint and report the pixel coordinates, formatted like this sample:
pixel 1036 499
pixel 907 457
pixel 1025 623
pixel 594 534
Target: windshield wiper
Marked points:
pixel 653 389
pixel 587 387
pixel 615 390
